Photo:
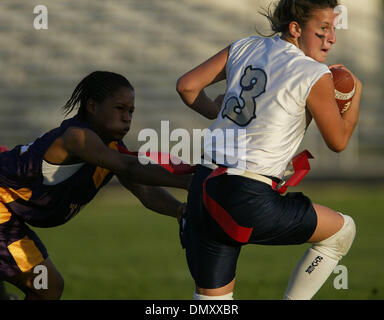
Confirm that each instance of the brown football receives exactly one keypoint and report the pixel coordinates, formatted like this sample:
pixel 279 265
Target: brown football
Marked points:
pixel 344 88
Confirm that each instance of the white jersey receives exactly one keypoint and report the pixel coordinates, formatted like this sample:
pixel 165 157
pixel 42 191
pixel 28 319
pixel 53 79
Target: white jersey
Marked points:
pixel 264 109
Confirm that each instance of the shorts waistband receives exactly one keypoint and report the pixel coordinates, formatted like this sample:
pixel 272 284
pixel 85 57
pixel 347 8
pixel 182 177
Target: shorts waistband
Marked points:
pixel 246 174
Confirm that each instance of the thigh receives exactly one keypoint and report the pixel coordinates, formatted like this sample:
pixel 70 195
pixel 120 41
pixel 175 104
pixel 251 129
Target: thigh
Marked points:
pixel 20 248
pixel 30 281
pixel 211 260
pixel 272 218
pixel 328 223
pixel 212 264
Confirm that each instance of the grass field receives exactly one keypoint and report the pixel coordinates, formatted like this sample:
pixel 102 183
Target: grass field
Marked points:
pixel 116 249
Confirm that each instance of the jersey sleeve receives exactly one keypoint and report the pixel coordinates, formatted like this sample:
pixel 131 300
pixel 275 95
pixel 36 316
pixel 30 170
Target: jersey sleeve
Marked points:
pixel 314 73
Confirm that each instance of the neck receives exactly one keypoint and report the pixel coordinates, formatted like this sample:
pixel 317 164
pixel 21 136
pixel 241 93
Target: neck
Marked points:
pixel 289 39
pixel 99 132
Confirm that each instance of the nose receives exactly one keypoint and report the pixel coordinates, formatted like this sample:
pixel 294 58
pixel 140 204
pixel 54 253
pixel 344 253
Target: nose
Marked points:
pixel 127 117
pixel 332 37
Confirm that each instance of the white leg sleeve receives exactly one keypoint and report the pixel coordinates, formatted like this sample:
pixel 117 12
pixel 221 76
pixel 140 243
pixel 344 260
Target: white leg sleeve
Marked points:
pixel 318 262
pixel 228 296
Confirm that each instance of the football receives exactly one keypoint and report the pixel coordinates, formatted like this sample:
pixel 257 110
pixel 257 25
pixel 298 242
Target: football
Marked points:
pixel 344 88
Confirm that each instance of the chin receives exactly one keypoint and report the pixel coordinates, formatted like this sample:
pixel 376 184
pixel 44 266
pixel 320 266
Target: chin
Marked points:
pixel 318 56
pixel 320 59
pixel 323 58
pixel 121 135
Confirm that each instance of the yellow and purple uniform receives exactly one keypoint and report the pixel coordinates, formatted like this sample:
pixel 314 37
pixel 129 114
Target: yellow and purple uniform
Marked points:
pixel 28 197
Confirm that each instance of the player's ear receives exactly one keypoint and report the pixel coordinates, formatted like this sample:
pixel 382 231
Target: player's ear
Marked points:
pixel 294 30
pixel 91 106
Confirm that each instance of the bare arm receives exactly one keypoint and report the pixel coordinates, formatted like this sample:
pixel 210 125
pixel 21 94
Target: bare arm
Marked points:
pixel 335 128
pixel 191 85
pixel 155 198
pixel 86 145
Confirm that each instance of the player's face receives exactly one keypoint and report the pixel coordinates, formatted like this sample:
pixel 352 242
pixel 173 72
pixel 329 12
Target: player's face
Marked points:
pixel 112 117
pixel 318 35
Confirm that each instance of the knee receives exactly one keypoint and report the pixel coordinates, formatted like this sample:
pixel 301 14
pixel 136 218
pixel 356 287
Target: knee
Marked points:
pixel 338 245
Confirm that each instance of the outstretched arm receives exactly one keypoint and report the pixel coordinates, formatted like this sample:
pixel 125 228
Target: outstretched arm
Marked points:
pixel 155 198
pixel 86 145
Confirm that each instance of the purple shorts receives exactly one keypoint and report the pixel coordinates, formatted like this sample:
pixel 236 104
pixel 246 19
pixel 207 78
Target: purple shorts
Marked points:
pixel 20 247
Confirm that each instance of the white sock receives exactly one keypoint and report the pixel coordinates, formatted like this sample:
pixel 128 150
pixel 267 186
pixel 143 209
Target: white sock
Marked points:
pixel 319 261
pixel 228 296
pixel 311 272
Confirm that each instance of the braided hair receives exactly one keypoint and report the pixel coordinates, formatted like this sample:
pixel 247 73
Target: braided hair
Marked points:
pixel 97 86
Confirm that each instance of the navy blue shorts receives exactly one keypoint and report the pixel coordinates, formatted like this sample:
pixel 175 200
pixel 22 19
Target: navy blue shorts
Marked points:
pixel 275 220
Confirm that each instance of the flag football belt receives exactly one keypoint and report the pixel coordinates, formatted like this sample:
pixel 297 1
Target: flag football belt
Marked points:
pixel 247 174
pixel 301 167
pixel 164 160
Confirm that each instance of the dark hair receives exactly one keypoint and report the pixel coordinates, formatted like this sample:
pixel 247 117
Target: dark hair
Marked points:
pixel 98 85
pixel 286 11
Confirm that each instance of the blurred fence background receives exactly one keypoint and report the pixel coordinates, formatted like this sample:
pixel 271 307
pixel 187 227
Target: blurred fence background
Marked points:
pixel 152 43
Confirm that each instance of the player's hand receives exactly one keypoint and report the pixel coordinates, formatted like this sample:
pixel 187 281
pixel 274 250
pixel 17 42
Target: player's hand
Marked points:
pixel 181 211
pixel 355 79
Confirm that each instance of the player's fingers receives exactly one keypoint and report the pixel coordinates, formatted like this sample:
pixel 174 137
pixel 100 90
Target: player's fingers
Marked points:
pixel 181 211
pixel 355 79
pixel 343 67
pixel 339 65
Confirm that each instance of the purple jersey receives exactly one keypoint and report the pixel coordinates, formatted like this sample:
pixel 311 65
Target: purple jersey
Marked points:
pixel 21 182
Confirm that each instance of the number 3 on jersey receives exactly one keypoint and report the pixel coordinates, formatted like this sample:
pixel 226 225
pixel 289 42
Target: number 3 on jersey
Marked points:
pixel 242 111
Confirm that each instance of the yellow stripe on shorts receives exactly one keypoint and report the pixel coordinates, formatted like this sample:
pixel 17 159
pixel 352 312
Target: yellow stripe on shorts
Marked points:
pixel 25 253
pixel 5 215
pixel 8 195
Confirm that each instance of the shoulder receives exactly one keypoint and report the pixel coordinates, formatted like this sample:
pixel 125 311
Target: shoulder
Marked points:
pixel 78 136
pixel 83 136
pixel 307 69
pixel 75 129
pixel 293 57
pixel 269 43
pixel 308 63
pixel 309 72
pixel 75 122
pixel 241 43
pixel 243 48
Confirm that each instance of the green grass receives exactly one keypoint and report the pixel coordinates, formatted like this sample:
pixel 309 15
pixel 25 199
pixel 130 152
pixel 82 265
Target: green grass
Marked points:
pixel 116 249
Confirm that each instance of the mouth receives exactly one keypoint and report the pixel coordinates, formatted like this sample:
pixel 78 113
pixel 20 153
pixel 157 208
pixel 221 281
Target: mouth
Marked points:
pixel 325 50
